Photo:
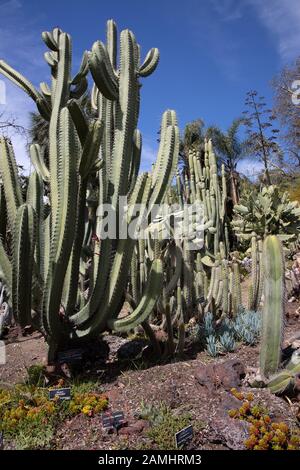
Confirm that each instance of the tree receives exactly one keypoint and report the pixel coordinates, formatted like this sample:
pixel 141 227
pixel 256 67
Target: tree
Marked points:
pixel 261 134
pixel 9 125
pixel 230 149
pixel 193 138
pixel 287 110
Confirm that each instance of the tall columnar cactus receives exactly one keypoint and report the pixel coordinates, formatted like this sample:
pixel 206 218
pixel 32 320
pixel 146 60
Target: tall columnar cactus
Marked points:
pixel 91 163
pixel 201 183
pixel 273 310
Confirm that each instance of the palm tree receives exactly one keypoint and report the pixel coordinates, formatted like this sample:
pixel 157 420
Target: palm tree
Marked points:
pixel 230 150
pixel 193 137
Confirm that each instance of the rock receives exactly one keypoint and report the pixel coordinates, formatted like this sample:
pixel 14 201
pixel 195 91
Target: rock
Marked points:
pixel 228 374
pixel 256 380
pixel 131 349
pixel 231 432
pixel 135 428
pixel 296 344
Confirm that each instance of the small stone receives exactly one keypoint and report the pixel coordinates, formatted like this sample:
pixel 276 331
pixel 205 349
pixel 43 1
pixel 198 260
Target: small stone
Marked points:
pixel 135 428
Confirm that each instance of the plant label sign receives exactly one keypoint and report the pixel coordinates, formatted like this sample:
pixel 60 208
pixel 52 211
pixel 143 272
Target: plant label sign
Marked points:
pixel 69 357
pixel 183 436
pixel 118 419
pixel 113 420
pixel 107 422
pixel 61 393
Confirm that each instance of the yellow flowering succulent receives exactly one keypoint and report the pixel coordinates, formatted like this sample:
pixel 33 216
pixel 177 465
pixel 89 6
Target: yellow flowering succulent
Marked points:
pixel 263 433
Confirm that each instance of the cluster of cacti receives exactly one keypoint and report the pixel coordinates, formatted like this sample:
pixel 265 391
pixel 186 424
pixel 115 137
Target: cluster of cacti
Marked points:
pixel 90 164
pixel 68 277
pixel 265 213
pixel 192 284
pixel 201 183
pixel 223 291
pixel 273 317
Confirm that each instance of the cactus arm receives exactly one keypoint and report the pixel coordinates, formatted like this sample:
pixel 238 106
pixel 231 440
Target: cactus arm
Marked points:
pixel 111 39
pixel 236 289
pixel 225 286
pixel 106 114
pixel 94 97
pixel 178 269
pixel 34 197
pixel 50 41
pixel 60 98
pixel 78 119
pixel 63 229
pixel 72 275
pixel 273 311
pixel 46 90
pixel 45 248
pixel 168 119
pixel 91 148
pixel 147 303
pixel 126 117
pixel 19 79
pixel 136 159
pixel 280 382
pixel 83 69
pixel 22 82
pixel 11 183
pixel 3 213
pixel 38 162
pixel 165 175
pixel 102 71
pixel 150 63
pixel 286 378
pixel 23 259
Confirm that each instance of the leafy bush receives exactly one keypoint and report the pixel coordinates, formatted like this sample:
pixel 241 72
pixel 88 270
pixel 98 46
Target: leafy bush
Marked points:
pixel 30 419
pixel 36 375
pixel 164 425
pixel 88 403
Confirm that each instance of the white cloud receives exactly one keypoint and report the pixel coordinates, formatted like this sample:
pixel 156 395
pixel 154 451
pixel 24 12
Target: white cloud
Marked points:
pixel 228 10
pixel 250 168
pixel 282 19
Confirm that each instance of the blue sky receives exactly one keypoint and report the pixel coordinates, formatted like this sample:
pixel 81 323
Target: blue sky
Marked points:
pixel 212 52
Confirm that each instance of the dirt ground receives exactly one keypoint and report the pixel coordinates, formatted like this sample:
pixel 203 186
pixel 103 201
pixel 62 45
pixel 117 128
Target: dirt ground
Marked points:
pixel 197 385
